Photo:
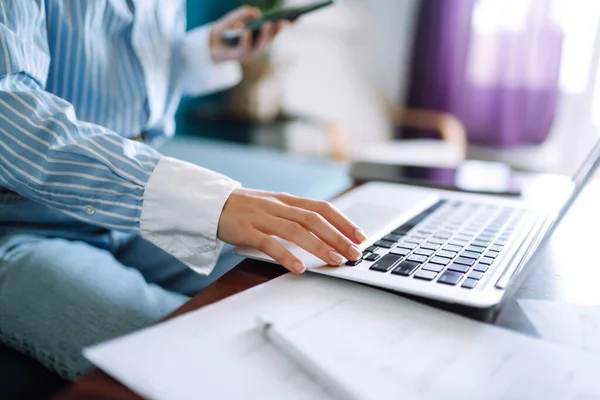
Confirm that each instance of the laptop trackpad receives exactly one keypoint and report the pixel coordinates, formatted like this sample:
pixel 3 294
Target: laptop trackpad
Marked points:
pixel 369 218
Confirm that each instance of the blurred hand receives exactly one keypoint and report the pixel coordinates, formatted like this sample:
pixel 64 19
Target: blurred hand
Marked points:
pixel 251 218
pixel 245 50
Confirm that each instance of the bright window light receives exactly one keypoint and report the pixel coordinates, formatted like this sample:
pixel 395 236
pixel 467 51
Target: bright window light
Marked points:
pixel 579 20
pixel 505 15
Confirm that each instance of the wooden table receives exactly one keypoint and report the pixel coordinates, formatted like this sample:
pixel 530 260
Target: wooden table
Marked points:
pixel 560 272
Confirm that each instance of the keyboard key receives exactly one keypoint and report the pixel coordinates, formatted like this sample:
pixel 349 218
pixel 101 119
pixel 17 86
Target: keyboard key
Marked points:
pixel 393 238
pixel 475 249
pixel 353 263
pixel 372 257
pixel 410 246
pixel 491 254
pixel 446 254
pixel 458 242
pixel 464 261
pixel 485 238
pixel 413 239
pixel 486 260
pixel 496 247
pixel 440 260
pixel 481 268
pixel 480 243
pixel 365 253
pixel 425 275
pixel 458 268
pixel 424 252
pixel 433 267
pixel 371 249
pixel 437 240
pixel 470 283
pixel 406 268
pixel 430 246
pixel 399 251
pixel 386 263
pixel 410 225
pixel 477 275
pixel 501 242
pixel 464 236
pixel 443 235
pixel 470 254
pixel 452 247
pixel 417 258
pixel 385 244
pixel 450 278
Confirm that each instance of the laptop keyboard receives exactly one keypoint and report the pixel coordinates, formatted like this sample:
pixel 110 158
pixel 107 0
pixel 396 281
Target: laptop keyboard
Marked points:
pixel 451 243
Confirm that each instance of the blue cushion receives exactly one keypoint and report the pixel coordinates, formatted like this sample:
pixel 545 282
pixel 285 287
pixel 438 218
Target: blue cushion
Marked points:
pixel 264 169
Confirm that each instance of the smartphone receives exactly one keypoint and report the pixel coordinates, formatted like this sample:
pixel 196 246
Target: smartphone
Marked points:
pixel 232 37
pixel 470 177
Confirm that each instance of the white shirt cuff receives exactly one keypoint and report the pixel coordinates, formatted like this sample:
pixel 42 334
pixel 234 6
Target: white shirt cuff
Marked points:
pixel 201 75
pixel 181 211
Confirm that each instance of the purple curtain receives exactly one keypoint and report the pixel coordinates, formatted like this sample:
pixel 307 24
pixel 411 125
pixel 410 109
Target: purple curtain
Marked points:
pixel 500 79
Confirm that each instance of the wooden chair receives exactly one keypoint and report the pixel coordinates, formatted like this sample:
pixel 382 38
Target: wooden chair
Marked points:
pixel 448 150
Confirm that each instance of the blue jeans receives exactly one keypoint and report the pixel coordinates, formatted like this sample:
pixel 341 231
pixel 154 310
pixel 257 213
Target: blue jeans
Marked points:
pixel 65 285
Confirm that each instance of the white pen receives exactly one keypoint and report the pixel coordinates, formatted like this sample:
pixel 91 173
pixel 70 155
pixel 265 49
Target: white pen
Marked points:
pixel 309 365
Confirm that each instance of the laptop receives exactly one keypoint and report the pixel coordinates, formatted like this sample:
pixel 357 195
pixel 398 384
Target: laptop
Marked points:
pixel 447 246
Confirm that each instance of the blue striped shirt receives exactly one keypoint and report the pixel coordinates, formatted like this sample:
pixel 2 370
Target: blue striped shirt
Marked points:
pixel 77 79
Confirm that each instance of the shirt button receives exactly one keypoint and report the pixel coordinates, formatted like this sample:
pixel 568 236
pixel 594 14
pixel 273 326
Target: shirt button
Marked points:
pixel 89 210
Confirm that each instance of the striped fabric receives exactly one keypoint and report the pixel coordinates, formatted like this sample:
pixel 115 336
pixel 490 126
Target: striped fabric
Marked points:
pixel 77 79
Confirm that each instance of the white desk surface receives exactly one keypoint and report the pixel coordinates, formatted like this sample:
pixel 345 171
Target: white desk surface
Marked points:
pixel 567 269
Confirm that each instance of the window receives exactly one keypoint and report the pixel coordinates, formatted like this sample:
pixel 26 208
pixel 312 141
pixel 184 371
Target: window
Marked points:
pixel 579 21
pixel 517 23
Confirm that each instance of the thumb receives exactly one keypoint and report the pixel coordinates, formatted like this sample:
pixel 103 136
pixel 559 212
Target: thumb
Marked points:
pixel 241 14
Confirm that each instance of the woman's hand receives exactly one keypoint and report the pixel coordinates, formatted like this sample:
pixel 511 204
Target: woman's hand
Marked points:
pixel 251 218
pixel 246 49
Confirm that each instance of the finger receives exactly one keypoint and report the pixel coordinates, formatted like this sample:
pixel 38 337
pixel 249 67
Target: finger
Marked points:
pixel 281 25
pixel 277 252
pixel 244 13
pixel 297 234
pixel 265 38
pixel 245 43
pixel 315 223
pixel 330 213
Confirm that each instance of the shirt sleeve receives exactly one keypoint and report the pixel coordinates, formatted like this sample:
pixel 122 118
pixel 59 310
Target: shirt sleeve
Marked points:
pixel 201 75
pixel 89 172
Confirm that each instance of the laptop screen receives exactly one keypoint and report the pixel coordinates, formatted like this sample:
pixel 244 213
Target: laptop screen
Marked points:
pixel 584 174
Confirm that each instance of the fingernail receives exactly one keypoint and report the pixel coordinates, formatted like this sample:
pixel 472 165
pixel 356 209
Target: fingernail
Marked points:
pixel 360 235
pixel 299 268
pixel 335 257
pixel 355 253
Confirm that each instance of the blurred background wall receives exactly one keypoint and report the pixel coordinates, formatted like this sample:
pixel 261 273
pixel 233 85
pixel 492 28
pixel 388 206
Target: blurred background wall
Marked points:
pixel 518 79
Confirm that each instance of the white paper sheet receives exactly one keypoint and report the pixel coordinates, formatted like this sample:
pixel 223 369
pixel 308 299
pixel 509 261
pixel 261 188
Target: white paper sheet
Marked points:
pixel 382 346
pixel 574 326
